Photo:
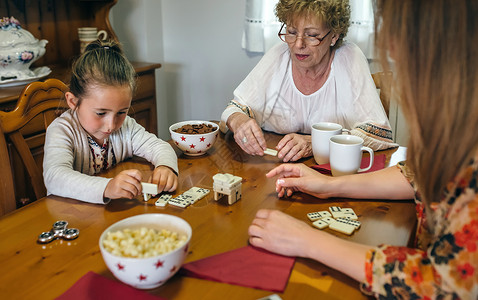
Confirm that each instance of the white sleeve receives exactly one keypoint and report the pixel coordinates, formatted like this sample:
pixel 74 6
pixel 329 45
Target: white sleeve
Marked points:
pixel 149 146
pixel 59 175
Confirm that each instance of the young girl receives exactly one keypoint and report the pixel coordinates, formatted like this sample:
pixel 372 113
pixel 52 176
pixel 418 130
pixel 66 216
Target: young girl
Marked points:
pixel 434 46
pixel 96 133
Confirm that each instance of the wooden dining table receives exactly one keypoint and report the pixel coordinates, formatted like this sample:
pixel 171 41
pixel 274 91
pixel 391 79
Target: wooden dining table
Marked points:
pixel 30 270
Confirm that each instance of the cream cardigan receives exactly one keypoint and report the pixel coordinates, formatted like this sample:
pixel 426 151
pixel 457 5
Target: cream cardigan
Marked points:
pixel 66 162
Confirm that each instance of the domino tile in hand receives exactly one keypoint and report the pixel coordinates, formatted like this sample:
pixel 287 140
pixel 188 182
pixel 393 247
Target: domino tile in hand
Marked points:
pixel 269 151
pixel 149 188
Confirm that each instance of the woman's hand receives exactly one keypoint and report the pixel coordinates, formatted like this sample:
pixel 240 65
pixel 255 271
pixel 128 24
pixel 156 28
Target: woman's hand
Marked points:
pixel 126 184
pixel 279 233
pixel 165 178
pixel 247 133
pixel 299 177
pixel 294 146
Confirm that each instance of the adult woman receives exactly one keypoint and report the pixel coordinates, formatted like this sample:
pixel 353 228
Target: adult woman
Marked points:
pixel 313 77
pixel 437 83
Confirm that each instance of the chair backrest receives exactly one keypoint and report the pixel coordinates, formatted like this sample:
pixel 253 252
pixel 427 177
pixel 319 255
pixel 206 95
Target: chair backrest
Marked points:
pixel 22 137
pixel 383 81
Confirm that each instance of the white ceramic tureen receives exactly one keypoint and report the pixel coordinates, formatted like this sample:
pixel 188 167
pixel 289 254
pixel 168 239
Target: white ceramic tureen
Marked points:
pixel 18 50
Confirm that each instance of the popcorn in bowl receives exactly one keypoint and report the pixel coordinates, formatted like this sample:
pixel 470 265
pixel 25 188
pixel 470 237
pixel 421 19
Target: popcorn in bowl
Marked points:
pixel 143 242
pixel 194 138
pixel 144 251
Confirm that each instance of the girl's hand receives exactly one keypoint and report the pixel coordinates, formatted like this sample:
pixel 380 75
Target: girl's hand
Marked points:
pixel 294 146
pixel 165 178
pixel 247 134
pixel 280 233
pixel 126 184
pixel 299 177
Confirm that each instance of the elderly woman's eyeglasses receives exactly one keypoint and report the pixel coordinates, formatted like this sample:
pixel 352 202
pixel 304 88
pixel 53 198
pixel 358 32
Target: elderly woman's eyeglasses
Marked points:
pixel 310 40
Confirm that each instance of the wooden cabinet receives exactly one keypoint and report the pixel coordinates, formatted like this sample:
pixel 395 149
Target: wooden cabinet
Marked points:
pixel 143 107
pixel 58 22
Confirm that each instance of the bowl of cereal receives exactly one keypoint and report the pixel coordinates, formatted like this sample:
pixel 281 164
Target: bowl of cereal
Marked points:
pixel 145 250
pixel 194 138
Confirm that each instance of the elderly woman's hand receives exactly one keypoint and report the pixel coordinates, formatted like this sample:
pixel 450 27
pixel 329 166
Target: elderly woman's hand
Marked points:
pixel 247 133
pixel 294 146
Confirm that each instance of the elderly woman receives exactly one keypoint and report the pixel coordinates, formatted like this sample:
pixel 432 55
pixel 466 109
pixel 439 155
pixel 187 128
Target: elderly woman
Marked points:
pixel 313 76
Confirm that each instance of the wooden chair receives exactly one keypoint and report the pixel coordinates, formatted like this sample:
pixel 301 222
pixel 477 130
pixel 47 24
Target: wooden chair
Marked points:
pixel 22 136
pixel 383 81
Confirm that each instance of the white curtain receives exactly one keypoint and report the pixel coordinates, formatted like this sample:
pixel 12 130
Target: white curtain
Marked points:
pixel 260 26
pixel 361 31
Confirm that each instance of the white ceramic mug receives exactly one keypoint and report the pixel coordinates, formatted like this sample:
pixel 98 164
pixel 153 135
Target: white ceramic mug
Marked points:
pixel 321 133
pixel 346 155
pixel 90 34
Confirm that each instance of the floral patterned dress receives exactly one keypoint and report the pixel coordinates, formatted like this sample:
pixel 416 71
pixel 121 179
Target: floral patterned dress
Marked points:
pixel 444 265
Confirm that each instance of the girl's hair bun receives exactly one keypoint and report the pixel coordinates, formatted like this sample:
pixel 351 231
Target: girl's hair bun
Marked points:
pixel 104 44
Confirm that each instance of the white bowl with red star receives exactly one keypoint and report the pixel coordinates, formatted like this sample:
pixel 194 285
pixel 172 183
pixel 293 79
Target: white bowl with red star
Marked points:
pixel 194 144
pixel 149 272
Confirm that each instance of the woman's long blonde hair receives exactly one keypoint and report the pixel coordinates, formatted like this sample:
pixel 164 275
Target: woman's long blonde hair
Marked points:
pixel 434 45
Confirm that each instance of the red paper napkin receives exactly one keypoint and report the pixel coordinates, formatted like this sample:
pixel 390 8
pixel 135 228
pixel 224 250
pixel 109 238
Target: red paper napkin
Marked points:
pixel 93 286
pixel 378 164
pixel 248 266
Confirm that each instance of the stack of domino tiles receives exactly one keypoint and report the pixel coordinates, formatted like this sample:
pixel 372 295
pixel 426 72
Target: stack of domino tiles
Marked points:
pixel 343 220
pixel 227 184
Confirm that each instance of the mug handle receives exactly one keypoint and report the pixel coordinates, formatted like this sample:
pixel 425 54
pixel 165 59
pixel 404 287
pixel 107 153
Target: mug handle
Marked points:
pixel 370 151
pixel 102 33
pixel 345 131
